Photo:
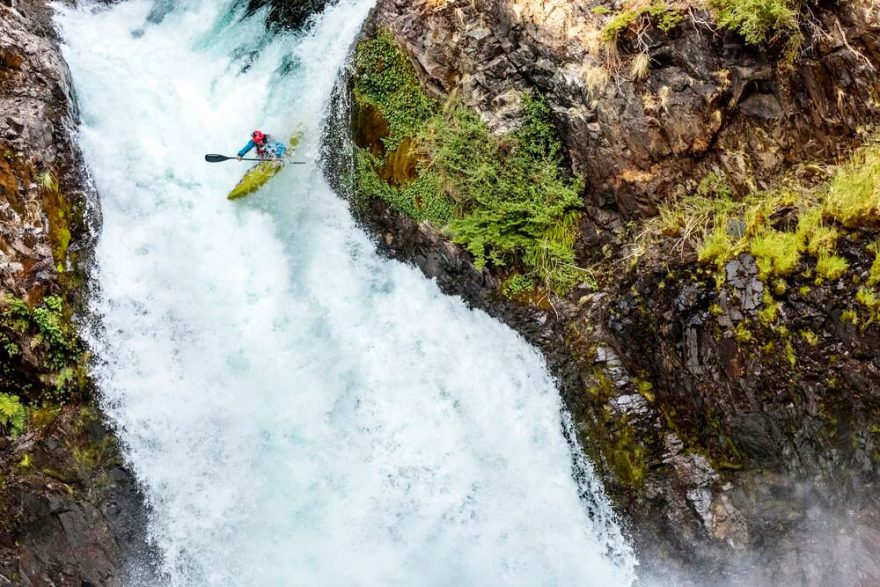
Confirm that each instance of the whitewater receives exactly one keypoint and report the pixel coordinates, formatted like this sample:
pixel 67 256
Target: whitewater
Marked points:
pixel 298 409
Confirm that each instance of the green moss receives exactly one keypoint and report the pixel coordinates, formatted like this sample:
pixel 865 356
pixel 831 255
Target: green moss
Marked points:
pixel 790 355
pixel 625 453
pixel 874 272
pixel 810 337
pixel 776 253
pixel 854 195
pixel 868 298
pixel 717 248
pixel 742 334
pixel 645 389
pixel 849 317
pixel 831 266
pixel 769 311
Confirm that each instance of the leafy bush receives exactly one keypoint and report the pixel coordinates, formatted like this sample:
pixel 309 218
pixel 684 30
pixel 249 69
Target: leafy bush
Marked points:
pixel 758 21
pixel 504 198
pixel 661 15
pixel 514 203
pixel 52 339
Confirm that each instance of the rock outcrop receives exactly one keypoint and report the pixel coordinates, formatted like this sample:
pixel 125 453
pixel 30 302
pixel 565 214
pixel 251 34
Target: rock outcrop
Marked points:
pixel 733 414
pixel 70 513
pixel 708 100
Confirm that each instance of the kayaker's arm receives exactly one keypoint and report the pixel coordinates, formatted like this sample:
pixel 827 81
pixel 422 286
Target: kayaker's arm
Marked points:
pixel 246 149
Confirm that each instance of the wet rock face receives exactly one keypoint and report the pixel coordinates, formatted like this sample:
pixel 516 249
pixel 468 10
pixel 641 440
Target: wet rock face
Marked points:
pixel 70 513
pixel 42 200
pixel 708 101
pixel 768 444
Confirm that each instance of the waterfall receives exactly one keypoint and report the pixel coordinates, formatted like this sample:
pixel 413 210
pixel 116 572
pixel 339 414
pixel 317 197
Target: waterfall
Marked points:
pixel 298 409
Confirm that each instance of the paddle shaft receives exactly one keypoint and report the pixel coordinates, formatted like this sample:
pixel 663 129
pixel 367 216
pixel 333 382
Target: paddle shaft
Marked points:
pixel 221 158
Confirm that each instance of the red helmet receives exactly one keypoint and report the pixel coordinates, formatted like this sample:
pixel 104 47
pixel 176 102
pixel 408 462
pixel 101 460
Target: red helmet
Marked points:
pixel 258 137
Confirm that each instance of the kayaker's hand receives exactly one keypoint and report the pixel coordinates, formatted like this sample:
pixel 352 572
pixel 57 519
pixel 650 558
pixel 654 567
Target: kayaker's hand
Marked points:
pixel 238 157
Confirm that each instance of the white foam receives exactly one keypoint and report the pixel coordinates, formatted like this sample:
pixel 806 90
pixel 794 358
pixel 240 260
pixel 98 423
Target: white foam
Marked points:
pixel 299 410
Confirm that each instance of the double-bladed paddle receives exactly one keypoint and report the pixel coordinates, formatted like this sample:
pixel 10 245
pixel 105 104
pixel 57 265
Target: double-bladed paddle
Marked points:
pixel 221 158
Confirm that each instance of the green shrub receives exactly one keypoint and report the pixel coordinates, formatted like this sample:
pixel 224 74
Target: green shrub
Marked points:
pixel 663 16
pixel 505 198
pixel 758 21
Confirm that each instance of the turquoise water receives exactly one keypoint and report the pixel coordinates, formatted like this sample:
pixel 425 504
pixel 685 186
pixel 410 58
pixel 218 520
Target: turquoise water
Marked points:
pixel 299 410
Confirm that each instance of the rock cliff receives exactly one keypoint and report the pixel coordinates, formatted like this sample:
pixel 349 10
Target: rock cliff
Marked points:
pixel 70 513
pixel 718 349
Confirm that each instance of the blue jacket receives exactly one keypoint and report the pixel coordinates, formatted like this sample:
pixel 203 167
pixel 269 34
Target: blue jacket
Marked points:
pixel 271 148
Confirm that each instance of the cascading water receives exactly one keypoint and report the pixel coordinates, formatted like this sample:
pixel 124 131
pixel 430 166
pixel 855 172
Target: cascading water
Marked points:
pixel 298 409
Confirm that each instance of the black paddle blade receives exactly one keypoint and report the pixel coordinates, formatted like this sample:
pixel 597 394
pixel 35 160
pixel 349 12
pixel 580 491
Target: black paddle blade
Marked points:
pixel 217 158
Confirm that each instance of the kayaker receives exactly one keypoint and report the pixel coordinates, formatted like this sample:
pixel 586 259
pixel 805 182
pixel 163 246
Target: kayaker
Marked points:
pixel 268 148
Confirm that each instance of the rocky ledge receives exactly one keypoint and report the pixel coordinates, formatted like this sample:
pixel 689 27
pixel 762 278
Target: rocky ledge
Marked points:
pixel 70 513
pixel 714 323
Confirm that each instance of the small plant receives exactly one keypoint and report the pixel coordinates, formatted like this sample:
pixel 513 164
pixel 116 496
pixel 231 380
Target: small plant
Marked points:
pixel 830 266
pixel 874 272
pixel 776 253
pixel 517 285
pixel 759 22
pixel 640 66
pixel 868 298
pixel 743 334
pixel 810 337
pixel 854 195
pixel 790 355
pixel 660 14
pixel 12 414
pixel 849 317
pixel 645 389
pixel 769 311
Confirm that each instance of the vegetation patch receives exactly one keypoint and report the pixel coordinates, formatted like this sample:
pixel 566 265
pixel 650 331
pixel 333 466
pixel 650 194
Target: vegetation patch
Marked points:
pixel 759 22
pixel 505 198
pixel 720 226
pixel 12 414
pixel 55 357
pixel 659 13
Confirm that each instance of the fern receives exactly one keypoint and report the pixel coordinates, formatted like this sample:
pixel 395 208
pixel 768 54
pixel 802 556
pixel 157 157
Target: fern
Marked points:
pixel 12 414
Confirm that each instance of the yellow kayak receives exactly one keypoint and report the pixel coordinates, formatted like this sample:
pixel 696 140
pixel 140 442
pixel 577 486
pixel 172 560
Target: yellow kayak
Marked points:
pixel 260 174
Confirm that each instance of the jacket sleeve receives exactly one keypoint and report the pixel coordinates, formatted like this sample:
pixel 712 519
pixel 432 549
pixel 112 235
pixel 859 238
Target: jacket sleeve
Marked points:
pixel 244 151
